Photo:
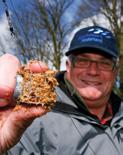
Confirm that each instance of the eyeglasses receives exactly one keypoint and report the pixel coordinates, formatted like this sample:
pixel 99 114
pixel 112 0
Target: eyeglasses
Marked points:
pixel 82 62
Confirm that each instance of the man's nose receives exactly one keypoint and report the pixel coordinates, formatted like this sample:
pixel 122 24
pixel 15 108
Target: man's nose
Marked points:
pixel 93 68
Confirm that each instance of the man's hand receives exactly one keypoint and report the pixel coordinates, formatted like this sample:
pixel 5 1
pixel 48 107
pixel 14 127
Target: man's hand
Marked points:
pixel 14 119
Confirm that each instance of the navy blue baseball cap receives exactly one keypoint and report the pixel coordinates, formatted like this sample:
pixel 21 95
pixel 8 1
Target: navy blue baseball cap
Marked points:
pixel 94 38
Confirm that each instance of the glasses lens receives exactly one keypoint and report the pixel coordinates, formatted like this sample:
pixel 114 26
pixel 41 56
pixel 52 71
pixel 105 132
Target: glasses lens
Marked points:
pixel 82 62
pixel 105 65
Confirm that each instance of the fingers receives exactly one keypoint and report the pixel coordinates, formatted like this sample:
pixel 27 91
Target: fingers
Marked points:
pixel 13 122
pixel 9 66
pixel 23 115
pixel 37 66
pixel 5 95
pixel 25 111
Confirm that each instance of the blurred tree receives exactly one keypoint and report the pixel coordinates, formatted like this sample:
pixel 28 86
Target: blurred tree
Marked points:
pixel 41 30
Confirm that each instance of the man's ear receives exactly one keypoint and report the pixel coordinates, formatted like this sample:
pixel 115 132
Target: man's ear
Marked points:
pixel 67 63
pixel 68 68
pixel 116 71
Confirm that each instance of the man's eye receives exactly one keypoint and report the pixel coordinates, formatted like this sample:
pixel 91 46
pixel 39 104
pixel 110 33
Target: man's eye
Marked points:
pixel 82 60
pixel 106 63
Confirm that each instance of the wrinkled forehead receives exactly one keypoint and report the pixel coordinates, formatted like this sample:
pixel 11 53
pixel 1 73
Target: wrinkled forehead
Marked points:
pixel 93 53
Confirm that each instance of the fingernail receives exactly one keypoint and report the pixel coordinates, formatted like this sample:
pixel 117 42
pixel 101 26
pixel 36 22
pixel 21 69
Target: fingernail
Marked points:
pixel 3 102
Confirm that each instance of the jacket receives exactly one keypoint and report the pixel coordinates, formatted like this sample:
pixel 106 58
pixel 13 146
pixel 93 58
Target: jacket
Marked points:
pixel 69 129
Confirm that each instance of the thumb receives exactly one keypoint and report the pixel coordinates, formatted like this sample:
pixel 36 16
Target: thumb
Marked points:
pixel 37 66
pixel 9 65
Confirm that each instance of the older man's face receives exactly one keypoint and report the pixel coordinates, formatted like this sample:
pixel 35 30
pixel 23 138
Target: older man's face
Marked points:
pixel 92 75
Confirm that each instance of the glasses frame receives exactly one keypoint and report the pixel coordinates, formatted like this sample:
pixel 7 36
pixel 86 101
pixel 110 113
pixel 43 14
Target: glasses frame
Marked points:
pixel 73 59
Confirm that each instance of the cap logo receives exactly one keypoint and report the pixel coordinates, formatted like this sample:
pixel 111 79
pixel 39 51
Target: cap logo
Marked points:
pixel 100 31
pixel 95 34
pixel 90 37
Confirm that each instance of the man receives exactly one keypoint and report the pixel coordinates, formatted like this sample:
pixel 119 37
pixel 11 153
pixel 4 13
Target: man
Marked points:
pixel 88 116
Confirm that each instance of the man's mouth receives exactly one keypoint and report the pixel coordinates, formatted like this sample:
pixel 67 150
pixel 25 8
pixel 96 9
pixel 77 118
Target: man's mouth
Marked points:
pixel 90 89
pixel 91 83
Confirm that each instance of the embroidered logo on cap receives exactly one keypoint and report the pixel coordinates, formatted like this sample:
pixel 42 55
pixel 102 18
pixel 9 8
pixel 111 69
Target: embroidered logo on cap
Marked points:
pixel 100 31
pixel 90 37
pixel 94 34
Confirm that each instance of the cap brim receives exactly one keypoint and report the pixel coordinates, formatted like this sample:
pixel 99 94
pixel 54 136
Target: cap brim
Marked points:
pixel 97 49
